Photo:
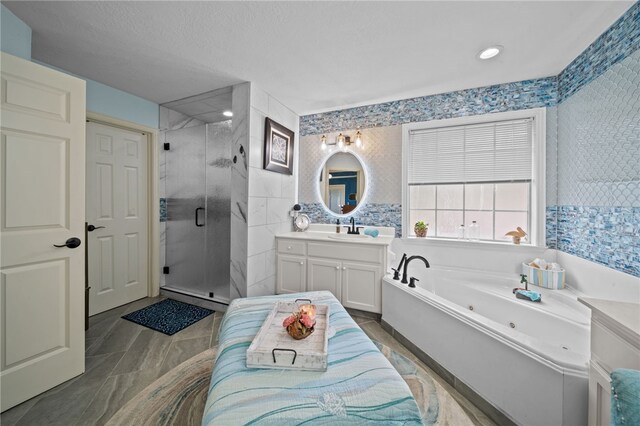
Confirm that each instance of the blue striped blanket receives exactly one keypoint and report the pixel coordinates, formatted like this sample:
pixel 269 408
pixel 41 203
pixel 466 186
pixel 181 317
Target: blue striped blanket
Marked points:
pixel 359 387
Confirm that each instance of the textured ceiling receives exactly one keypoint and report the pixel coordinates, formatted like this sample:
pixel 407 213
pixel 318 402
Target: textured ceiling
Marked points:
pixel 312 56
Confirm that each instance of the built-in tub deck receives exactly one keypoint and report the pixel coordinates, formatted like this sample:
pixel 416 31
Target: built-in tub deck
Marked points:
pixel 530 360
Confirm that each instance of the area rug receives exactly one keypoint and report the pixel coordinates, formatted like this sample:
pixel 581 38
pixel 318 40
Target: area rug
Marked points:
pixel 178 397
pixel 168 316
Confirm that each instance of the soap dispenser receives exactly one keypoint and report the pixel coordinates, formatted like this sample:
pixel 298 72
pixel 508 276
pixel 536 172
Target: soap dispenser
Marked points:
pixel 338 226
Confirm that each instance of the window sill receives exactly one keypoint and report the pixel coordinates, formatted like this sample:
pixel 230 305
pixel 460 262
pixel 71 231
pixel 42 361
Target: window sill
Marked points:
pixel 434 241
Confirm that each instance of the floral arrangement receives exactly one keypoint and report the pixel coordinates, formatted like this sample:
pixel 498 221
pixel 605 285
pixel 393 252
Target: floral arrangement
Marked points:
pixel 300 324
pixel 421 228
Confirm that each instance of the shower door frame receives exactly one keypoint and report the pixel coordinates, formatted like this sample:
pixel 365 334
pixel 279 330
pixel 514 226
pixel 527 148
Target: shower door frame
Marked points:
pixel 153 210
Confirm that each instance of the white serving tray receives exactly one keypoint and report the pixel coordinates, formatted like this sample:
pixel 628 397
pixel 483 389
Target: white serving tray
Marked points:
pixel 272 347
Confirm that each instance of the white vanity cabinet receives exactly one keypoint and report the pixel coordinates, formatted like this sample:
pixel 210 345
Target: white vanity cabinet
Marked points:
pixel 352 271
pixel 615 343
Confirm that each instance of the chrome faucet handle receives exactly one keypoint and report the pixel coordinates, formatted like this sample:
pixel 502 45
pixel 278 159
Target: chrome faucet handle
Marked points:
pixel 412 282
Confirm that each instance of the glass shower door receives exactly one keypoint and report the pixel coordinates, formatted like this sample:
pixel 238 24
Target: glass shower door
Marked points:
pixel 186 210
pixel 218 191
pixel 198 187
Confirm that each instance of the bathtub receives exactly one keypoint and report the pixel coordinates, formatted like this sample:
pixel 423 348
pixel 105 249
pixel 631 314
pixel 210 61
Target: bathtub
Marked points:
pixel 529 360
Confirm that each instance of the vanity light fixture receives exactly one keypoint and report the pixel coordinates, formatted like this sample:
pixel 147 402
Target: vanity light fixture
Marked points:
pixel 228 113
pixel 342 141
pixel 359 139
pixel 490 52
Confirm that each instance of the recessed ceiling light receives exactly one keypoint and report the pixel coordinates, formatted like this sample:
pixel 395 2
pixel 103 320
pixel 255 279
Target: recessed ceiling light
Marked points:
pixel 490 52
pixel 228 114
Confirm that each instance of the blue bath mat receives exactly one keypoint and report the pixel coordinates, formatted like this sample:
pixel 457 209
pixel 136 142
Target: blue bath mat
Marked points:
pixel 168 316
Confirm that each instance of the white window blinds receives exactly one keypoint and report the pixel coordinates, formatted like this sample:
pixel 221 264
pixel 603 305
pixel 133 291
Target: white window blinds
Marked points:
pixel 489 152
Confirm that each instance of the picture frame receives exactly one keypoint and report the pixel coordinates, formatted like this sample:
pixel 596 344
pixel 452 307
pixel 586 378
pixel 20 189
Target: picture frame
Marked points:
pixel 278 147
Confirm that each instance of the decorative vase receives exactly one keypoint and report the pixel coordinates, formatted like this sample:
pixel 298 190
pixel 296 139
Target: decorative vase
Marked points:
pixel 298 331
pixel 420 232
pixel 301 323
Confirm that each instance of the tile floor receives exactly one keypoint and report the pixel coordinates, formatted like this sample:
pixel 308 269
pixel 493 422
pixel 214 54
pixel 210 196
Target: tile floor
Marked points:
pixel 122 358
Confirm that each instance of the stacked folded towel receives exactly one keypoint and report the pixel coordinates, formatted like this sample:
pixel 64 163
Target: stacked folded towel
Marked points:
pixel 625 397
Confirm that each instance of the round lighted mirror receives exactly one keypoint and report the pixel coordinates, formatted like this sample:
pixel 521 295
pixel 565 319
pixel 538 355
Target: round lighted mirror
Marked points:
pixel 342 183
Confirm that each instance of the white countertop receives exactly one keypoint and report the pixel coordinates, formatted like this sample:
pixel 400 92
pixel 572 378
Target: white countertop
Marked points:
pixel 327 233
pixel 624 315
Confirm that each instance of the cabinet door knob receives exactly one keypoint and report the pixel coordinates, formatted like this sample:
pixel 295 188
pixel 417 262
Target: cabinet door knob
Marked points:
pixel 344 268
pixel 288 247
pixel 302 263
pixel 337 267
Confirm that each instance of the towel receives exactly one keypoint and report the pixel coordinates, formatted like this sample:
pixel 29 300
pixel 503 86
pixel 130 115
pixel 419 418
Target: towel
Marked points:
pixel 625 397
pixel 371 232
pixel 529 295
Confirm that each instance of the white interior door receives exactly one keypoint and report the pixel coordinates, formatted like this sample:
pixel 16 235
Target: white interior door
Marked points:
pixel 42 173
pixel 117 207
pixel 336 198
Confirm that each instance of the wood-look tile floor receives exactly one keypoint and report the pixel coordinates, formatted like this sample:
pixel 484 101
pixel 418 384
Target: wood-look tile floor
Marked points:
pixel 122 358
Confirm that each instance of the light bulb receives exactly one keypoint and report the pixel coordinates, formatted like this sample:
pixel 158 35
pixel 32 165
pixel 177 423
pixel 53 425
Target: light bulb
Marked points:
pixel 359 139
pixel 340 140
pixel 324 142
pixel 228 113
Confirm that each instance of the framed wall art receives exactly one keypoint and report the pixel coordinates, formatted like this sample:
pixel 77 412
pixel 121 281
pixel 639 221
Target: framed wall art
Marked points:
pixel 278 147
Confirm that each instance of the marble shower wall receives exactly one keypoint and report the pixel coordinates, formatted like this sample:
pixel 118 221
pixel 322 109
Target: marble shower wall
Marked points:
pixel 239 189
pixel 271 195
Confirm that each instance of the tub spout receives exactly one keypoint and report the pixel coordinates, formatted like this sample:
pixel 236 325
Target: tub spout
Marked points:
pixel 406 264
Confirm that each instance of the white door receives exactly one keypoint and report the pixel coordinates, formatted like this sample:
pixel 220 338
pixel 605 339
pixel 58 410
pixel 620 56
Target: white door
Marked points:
pixel 292 274
pixel 117 208
pixel 336 198
pixel 42 173
pixel 324 275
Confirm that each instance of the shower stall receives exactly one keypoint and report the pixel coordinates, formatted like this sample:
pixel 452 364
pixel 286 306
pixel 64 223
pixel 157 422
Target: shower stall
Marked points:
pixel 198 202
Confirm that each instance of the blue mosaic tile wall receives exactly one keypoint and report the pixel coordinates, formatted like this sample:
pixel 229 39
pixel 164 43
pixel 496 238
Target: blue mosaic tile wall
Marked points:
pixel 370 214
pixel 483 100
pixel 552 227
pixel 584 224
pixel 605 235
pixel 163 209
pixel 614 45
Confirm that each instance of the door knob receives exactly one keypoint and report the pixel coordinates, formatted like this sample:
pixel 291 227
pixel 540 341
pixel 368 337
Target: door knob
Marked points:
pixel 71 243
pixel 92 228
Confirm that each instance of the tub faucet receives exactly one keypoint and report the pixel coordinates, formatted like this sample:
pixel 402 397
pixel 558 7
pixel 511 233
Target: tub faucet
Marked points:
pixel 406 264
pixel 396 271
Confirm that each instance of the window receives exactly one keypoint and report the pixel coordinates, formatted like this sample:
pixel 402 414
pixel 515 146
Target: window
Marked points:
pixel 484 169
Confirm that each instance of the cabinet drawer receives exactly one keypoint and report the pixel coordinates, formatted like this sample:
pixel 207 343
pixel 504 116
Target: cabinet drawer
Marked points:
pixel 610 351
pixel 371 254
pixel 292 247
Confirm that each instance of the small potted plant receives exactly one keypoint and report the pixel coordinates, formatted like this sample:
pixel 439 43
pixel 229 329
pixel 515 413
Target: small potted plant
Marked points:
pixel 420 229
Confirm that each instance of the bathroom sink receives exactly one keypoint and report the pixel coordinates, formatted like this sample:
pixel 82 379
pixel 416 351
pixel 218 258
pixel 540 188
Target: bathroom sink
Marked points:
pixel 349 237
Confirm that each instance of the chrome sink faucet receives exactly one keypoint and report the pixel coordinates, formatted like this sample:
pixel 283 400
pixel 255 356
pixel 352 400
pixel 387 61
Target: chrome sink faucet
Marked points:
pixel 353 229
pixel 406 263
